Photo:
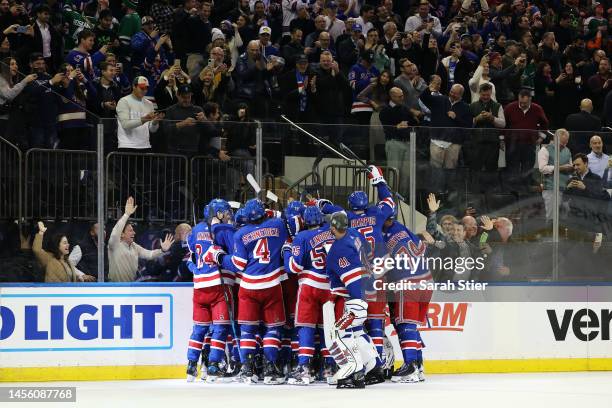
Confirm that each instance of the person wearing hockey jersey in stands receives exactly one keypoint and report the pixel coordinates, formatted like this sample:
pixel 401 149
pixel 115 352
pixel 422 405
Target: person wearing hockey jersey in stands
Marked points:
pixel 306 260
pixel 410 305
pixel 369 220
pixel 220 213
pixel 293 216
pixel 209 304
pixel 256 258
pixel 346 268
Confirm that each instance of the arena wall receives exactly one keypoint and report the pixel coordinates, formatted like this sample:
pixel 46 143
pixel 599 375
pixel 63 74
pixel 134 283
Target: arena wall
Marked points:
pixel 139 331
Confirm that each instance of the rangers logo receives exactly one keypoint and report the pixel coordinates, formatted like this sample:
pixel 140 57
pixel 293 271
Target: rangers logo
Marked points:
pixel 343 262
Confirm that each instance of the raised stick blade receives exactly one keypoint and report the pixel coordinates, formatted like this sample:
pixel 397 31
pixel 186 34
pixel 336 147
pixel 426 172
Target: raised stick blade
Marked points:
pixel 253 183
pixel 271 196
pixel 234 204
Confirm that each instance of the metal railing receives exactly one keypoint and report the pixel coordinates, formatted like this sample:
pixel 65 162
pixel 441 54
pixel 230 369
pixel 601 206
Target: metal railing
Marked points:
pixel 11 181
pixel 310 183
pixel 158 183
pixel 340 180
pixel 213 178
pixel 60 184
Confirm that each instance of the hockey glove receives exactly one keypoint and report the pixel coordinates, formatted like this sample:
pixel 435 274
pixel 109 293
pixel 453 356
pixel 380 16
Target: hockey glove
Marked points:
pixel 214 255
pixel 375 175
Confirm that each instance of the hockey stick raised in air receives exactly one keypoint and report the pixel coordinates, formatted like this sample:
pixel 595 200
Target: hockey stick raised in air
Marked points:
pixel 307 133
pixel 251 180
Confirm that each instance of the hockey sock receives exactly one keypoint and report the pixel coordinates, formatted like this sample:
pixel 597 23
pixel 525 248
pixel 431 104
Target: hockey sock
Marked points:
pixel 306 337
pixel 207 338
pixel 271 344
pixel 217 343
pixel 285 353
pixel 248 344
pixel 196 341
pixel 420 347
pixel 409 341
pixel 376 333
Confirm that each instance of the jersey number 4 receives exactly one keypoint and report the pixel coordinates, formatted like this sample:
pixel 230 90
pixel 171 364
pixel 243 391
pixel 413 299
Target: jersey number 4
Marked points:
pixel 261 251
pixel 203 257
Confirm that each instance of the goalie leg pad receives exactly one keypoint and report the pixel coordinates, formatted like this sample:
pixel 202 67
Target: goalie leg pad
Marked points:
pixel 367 351
pixel 346 353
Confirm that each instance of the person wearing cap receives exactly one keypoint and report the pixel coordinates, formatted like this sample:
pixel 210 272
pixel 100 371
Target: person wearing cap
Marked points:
pixel 423 21
pixel 333 24
pixel 130 23
pixel 148 42
pixel 350 49
pixel 183 124
pixel 199 35
pixel 136 119
pixel 267 49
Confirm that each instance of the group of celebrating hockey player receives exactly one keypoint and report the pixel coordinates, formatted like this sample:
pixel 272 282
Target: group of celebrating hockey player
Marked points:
pixel 290 297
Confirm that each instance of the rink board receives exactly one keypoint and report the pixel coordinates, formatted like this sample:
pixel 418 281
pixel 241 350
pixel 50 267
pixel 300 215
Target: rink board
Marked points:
pixel 140 331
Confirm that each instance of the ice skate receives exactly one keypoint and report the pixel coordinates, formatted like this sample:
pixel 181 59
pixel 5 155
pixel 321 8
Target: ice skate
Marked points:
pixel 192 370
pixel 300 376
pixel 408 373
pixel 329 371
pixel 421 370
pixel 203 366
pixel 215 373
pixel 375 376
pixel 272 375
pixel 355 380
pixel 247 374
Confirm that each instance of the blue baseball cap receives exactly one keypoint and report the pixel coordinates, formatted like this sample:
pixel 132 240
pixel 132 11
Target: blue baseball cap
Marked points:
pixel 357 27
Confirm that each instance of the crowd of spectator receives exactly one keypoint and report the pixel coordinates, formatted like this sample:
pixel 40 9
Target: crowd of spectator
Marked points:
pixel 481 81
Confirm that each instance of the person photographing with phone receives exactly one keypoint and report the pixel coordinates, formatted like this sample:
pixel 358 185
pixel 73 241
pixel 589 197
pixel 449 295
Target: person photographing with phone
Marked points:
pixel 136 119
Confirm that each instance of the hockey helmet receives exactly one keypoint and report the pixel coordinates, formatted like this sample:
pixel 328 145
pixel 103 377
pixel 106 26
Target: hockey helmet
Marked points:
pixel 312 216
pixel 358 200
pixel 254 209
pixel 294 208
pixel 339 220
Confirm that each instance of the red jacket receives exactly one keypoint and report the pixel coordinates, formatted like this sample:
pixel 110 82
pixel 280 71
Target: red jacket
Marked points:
pixel 524 125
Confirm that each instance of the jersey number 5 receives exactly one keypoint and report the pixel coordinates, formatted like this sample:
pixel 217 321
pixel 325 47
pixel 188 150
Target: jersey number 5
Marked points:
pixel 367 234
pixel 261 251
pixel 318 255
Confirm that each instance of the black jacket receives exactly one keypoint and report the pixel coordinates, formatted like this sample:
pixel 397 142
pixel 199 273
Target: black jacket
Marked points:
pixel 330 90
pixel 440 105
pixel 290 95
pixel 583 122
pixel 391 116
pixel 89 258
pixel 36 45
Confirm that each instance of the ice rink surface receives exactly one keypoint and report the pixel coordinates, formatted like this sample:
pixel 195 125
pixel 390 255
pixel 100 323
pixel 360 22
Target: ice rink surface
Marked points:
pixel 542 390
